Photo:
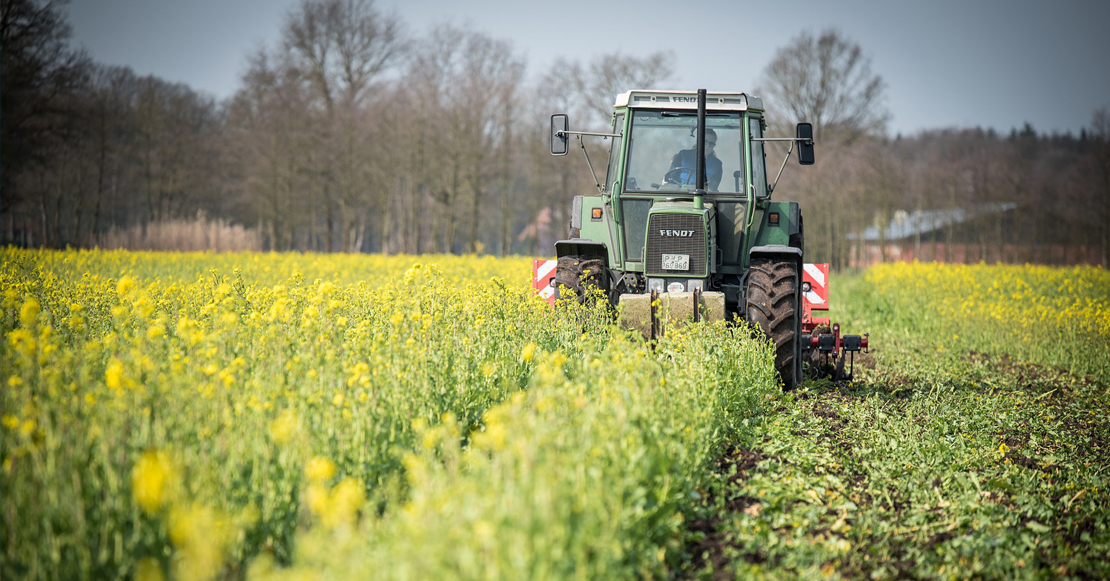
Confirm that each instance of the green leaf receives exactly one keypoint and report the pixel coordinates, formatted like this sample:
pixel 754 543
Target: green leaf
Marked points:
pixel 1037 527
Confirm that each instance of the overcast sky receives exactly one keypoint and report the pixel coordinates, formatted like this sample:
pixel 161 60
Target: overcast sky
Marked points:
pixel 947 63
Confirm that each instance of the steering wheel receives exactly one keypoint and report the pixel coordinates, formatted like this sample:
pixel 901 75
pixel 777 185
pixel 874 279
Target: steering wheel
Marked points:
pixel 675 176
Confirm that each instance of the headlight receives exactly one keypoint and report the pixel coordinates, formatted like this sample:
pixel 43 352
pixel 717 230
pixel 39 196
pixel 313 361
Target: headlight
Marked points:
pixel 655 284
pixel 695 284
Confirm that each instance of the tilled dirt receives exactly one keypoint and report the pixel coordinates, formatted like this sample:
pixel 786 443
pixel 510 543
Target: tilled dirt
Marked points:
pixel 710 550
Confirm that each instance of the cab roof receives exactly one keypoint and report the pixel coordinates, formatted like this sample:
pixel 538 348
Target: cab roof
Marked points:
pixel 654 99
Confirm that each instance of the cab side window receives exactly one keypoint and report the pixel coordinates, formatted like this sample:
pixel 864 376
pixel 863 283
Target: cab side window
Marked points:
pixel 614 154
pixel 759 172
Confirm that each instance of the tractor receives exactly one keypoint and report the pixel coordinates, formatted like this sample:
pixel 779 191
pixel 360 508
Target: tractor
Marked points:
pixel 684 221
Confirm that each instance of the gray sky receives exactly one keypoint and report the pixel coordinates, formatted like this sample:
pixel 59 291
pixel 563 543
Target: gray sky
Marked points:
pixel 947 63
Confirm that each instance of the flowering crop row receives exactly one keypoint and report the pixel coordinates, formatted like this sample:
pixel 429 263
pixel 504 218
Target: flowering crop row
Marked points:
pixel 195 414
pixel 1056 316
pixel 586 475
pixel 263 269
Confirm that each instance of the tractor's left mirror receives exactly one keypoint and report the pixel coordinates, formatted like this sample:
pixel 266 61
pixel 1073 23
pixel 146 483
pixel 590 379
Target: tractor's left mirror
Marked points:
pixel 805 143
pixel 559 137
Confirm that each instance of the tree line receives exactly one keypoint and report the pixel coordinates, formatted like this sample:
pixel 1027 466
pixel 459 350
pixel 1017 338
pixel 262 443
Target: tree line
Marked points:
pixel 352 134
pixel 953 195
pixel 349 134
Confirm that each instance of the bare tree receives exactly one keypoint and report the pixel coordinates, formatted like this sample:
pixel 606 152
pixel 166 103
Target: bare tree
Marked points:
pixel 487 85
pixel 428 218
pixel 340 47
pixel 826 81
pixel 39 76
pixel 270 132
pixel 463 87
pixel 113 89
pixel 609 75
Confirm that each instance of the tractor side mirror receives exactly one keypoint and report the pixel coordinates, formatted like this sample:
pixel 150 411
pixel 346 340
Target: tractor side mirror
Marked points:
pixel 559 137
pixel 805 143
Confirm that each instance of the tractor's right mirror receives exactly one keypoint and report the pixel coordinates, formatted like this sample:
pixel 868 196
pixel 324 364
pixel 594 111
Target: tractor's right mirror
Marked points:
pixel 559 137
pixel 805 143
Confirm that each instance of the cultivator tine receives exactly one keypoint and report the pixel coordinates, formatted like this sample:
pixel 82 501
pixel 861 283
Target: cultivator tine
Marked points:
pixel 835 348
pixel 839 373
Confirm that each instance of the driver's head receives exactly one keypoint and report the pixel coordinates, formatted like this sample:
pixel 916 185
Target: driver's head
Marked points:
pixel 710 140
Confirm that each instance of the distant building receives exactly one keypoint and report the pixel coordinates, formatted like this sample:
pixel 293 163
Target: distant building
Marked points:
pixel 983 232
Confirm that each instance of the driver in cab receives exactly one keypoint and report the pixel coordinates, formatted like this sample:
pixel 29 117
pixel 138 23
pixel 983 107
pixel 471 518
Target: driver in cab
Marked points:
pixel 684 162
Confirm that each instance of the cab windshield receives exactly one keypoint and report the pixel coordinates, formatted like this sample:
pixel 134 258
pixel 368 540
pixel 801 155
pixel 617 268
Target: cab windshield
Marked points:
pixel 661 152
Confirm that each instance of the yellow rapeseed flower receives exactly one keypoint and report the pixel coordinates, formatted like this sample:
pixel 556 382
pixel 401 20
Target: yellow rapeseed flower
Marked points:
pixel 529 352
pixel 11 298
pixel 22 341
pixel 344 503
pixel 319 469
pixel 155 332
pixel 283 428
pixel 29 313
pixel 152 481
pixel 113 375
pixel 316 498
pixel 201 537
pixel 124 286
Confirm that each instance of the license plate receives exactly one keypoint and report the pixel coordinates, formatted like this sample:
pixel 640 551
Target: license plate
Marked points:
pixel 676 262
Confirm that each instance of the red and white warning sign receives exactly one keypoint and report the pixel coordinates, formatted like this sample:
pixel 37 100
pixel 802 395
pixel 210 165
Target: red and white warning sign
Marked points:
pixel 815 283
pixel 543 273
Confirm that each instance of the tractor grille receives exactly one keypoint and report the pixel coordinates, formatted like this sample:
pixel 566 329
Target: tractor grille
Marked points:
pixel 658 244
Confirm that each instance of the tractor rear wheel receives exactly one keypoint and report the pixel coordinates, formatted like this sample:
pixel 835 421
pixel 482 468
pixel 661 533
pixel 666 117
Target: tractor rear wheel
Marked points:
pixel 772 304
pixel 581 277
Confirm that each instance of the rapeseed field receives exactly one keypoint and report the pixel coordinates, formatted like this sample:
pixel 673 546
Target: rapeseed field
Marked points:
pixel 208 416
pixel 1057 316
pixel 287 416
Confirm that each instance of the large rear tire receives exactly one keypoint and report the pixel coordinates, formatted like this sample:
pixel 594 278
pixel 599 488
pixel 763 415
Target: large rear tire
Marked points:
pixel 582 278
pixel 772 304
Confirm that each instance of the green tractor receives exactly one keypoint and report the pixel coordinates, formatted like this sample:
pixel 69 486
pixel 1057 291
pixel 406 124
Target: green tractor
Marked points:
pixel 685 217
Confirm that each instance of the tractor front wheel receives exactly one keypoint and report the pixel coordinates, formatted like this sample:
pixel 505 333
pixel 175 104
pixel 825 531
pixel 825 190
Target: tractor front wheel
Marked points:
pixel 772 304
pixel 584 278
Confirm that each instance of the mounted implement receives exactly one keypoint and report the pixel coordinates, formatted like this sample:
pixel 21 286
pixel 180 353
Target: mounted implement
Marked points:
pixel 684 228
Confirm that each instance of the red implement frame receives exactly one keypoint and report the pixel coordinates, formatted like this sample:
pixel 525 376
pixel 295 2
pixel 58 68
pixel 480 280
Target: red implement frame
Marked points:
pixel 818 333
